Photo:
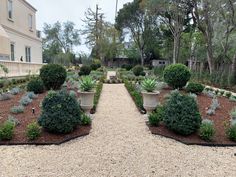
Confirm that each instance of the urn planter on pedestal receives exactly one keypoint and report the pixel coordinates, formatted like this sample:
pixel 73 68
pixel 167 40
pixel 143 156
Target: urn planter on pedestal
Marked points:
pixel 86 100
pixel 86 93
pixel 150 101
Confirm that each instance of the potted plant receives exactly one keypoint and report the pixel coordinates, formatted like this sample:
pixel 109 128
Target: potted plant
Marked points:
pixel 86 93
pixel 149 94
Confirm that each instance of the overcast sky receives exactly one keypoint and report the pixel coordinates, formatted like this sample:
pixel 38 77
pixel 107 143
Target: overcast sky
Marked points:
pixel 50 11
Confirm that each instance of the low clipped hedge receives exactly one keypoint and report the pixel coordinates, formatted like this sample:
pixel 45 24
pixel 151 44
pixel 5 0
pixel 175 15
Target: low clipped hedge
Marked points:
pixel 177 75
pixel 137 96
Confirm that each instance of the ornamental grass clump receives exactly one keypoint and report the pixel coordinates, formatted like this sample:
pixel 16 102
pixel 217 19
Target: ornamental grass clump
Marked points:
pixel 33 131
pixel 157 116
pixel 207 130
pixel 149 85
pixel 7 130
pixel 86 84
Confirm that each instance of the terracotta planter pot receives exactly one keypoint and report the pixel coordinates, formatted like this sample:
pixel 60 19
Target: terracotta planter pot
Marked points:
pixel 86 100
pixel 150 101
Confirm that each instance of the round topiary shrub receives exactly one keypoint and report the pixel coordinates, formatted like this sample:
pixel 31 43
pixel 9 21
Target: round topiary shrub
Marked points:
pixel 194 87
pixel 85 70
pixel 35 85
pixel 181 114
pixel 177 75
pixel 53 76
pixel 60 112
pixel 138 70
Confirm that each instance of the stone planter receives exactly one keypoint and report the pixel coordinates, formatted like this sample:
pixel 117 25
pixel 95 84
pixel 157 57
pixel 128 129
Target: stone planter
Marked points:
pixel 150 101
pixel 86 100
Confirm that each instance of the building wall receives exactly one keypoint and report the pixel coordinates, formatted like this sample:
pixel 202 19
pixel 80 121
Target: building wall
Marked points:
pixel 19 31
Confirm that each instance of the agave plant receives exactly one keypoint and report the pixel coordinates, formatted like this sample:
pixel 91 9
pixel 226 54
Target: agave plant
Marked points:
pixel 86 84
pixel 149 85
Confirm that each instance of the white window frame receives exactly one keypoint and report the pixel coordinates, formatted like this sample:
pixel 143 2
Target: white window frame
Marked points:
pixel 10 9
pixel 30 22
pixel 28 54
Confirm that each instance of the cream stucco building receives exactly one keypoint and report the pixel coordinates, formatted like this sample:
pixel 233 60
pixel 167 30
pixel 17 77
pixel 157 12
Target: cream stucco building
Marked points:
pixel 20 42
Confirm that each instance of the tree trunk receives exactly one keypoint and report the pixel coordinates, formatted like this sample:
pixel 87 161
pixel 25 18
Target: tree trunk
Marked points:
pixel 210 57
pixel 176 49
pixel 233 70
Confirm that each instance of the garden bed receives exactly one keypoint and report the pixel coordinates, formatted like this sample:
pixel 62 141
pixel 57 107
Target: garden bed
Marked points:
pixel 28 117
pixel 220 119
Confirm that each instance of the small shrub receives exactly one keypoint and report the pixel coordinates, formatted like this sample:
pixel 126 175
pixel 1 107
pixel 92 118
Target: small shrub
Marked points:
pixel 53 76
pixel 5 96
pixel 6 131
pixel 222 92
pixel 232 99
pixel 33 131
pixel 86 84
pixel 177 75
pixel 207 130
pixel 182 114
pixel 233 114
pixel 194 88
pixel 13 120
pixel 84 70
pixel 25 100
pixel 60 112
pixel 128 67
pixel 35 85
pixel 95 66
pixel 138 70
pixel 85 120
pixel 156 117
pixel 31 95
pixel 228 94
pixel 231 132
pixel 149 85
pixel 17 109
pixel 15 91
pixel 73 94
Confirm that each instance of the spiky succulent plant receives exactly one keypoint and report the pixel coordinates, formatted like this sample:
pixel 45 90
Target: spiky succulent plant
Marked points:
pixel 149 85
pixel 86 84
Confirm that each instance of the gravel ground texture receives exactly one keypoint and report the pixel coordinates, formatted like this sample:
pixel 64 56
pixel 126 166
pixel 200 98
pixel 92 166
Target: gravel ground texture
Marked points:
pixel 119 144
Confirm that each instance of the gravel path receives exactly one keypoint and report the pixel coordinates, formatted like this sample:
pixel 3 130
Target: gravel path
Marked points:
pixel 119 145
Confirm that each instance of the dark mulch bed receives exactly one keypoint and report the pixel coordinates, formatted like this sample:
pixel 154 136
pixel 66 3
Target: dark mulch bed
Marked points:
pixel 221 118
pixel 28 117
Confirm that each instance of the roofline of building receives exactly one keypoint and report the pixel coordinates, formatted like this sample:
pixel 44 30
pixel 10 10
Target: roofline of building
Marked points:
pixel 29 5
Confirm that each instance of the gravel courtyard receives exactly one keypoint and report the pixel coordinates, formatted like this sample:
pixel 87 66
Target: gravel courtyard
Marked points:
pixel 119 145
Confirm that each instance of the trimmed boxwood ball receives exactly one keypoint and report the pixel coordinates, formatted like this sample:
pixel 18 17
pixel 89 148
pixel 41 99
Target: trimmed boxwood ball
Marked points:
pixel 35 85
pixel 53 76
pixel 138 70
pixel 194 87
pixel 181 114
pixel 85 70
pixel 60 112
pixel 177 75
